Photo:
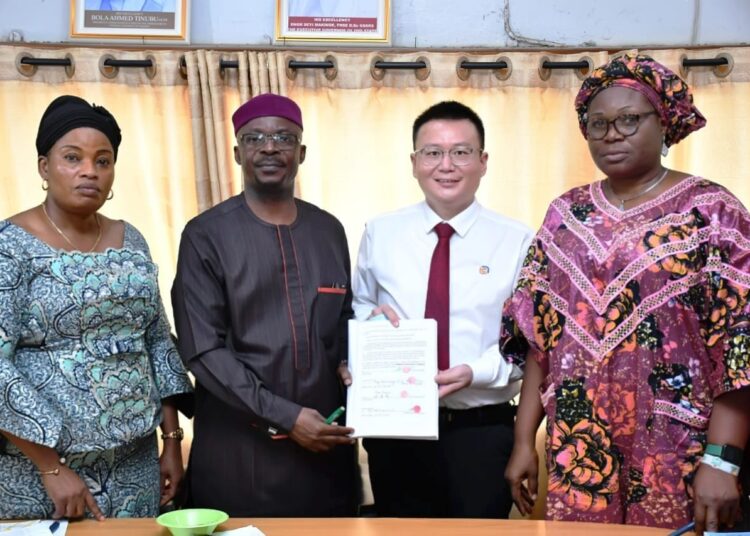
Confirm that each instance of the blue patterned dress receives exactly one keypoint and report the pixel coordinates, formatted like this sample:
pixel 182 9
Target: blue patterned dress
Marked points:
pixel 85 359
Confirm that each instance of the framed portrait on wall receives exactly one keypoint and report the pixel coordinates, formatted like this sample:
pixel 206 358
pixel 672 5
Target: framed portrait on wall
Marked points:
pixel 130 20
pixel 331 21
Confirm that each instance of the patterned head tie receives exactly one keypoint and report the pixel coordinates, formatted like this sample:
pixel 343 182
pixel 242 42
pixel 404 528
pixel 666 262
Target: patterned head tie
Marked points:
pixel 668 93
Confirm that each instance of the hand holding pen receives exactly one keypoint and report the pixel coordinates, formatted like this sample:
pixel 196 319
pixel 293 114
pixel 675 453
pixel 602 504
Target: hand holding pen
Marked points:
pixel 335 415
pixel 317 434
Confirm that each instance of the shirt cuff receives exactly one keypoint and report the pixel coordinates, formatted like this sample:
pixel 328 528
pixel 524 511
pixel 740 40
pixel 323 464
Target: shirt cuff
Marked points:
pixel 286 414
pixel 491 370
pixel 483 370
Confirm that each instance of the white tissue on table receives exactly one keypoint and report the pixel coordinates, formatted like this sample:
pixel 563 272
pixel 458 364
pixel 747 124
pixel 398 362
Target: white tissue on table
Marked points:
pixel 250 530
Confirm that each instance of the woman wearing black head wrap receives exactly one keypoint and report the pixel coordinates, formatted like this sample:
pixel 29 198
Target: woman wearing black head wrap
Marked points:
pixel 87 366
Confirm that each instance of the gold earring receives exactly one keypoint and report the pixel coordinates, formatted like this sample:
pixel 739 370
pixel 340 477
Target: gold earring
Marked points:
pixel 45 186
pixel 111 195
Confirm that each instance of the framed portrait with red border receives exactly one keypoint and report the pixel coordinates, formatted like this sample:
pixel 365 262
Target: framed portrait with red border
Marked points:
pixel 333 21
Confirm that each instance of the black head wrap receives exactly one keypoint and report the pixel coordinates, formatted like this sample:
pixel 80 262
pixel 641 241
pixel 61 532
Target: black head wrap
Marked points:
pixel 68 112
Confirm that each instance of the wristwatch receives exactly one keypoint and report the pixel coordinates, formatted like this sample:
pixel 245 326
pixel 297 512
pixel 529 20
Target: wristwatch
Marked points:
pixel 175 434
pixel 728 453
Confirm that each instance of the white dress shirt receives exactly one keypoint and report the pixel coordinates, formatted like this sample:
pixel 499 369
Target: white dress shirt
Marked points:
pixel 487 251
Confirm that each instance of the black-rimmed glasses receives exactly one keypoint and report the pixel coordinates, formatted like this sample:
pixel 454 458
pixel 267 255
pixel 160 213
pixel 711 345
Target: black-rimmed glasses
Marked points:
pixel 625 124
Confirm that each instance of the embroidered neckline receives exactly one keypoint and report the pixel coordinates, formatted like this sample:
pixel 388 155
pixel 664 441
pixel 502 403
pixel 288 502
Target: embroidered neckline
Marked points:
pixel 600 200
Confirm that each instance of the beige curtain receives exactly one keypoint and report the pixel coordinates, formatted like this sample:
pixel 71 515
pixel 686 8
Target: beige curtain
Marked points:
pixel 358 128
pixel 215 92
pixel 153 186
pixel 358 124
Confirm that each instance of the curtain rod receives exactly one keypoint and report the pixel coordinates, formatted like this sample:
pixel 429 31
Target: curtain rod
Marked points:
pixel 66 62
pixel 295 64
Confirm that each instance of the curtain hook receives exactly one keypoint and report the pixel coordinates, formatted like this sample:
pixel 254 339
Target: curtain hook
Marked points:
pixel 151 70
pixel 23 68
pixel 70 70
pixel 30 70
pixel 583 72
pixel 333 72
pixel 461 72
pixel 377 74
pixel 720 71
pixel 423 73
pixel 291 74
pixel 108 71
pixel 501 73
pixel 544 72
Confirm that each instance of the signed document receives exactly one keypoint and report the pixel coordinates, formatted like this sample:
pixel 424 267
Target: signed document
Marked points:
pixel 393 392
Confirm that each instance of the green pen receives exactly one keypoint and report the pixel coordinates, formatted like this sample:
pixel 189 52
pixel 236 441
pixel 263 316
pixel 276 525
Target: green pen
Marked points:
pixel 335 415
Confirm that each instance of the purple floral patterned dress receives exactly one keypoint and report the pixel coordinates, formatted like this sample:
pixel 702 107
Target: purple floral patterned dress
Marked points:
pixel 640 319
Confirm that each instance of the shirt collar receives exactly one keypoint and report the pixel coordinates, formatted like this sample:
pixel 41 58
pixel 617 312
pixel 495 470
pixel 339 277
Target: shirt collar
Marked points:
pixel 461 222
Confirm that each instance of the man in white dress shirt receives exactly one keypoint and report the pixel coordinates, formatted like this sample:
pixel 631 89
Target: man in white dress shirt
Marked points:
pixel 461 474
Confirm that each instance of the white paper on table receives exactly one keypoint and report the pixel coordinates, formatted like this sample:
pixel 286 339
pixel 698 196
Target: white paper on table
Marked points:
pixel 249 530
pixel 34 527
pixel 393 392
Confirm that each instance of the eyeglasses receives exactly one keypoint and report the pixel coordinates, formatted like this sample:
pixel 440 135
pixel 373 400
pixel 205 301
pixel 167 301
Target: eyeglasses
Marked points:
pixel 625 124
pixel 432 156
pixel 282 140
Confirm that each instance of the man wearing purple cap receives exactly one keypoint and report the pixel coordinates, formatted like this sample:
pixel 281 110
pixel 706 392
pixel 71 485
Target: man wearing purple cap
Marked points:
pixel 261 302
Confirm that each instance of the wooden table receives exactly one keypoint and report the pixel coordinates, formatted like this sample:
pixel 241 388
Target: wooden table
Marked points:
pixel 374 527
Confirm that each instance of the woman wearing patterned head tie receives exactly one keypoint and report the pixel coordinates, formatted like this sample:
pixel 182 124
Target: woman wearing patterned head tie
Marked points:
pixel 633 308
pixel 87 366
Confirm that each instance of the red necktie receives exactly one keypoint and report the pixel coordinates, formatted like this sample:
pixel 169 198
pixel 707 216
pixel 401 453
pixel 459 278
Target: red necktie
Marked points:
pixel 438 292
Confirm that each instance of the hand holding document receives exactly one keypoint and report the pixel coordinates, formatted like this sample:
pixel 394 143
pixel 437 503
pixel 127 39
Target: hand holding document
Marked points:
pixel 393 392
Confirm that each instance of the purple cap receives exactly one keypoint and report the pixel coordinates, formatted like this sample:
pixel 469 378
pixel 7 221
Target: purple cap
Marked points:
pixel 265 105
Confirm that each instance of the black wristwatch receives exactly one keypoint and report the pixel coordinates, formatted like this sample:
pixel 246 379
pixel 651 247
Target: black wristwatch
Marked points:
pixel 728 453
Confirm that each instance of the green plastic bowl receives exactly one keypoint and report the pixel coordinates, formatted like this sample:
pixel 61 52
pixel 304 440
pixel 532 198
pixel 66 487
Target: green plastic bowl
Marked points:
pixel 192 521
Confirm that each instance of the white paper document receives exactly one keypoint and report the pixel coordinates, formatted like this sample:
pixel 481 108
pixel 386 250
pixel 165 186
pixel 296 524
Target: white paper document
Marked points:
pixel 393 392
pixel 249 530
pixel 34 527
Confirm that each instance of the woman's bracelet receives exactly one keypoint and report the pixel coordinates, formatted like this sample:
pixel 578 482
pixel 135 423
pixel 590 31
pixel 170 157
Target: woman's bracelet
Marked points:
pixel 56 470
pixel 721 465
pixel 177 434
